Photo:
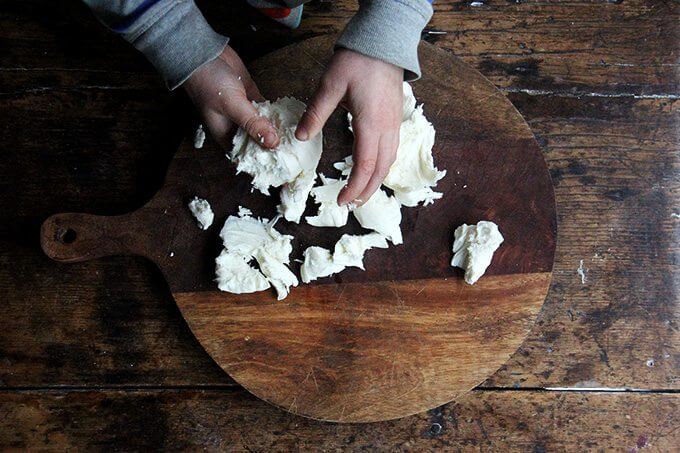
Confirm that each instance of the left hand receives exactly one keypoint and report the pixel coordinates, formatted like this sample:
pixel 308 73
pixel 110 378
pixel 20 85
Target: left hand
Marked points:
pixel 372 91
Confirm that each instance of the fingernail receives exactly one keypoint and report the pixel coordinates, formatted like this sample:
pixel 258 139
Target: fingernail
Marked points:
pixel 302 134
pixel 271 138
pixel 341 195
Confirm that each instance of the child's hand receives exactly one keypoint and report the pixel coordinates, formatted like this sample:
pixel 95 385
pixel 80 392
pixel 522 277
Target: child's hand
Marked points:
pixel 222 91
pixel 372 92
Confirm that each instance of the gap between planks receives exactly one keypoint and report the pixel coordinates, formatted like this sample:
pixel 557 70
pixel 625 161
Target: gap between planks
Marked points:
pixel 236 388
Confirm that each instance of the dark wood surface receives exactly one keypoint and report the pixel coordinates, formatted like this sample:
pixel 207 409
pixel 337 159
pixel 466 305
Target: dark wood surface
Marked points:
pixel 405 335
pixel 233 420
pixel 85 122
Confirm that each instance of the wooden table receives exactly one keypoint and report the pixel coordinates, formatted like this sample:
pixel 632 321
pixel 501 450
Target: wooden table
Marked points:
pixel 97 356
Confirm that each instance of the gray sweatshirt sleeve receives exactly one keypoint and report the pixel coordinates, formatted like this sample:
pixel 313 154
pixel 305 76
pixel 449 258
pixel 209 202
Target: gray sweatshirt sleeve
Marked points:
pixel 172 34
pixel 389 30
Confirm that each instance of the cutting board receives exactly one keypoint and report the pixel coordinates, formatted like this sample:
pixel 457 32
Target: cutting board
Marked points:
pixel 406 335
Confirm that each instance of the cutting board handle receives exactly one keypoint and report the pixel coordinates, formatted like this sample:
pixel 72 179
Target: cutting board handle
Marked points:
pixel 74 237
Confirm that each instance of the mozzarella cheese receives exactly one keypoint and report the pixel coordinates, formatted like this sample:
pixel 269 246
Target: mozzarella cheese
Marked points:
pixel 473 248
pixel 294 196
pixel 202 211
pixel 326 195
pixel 235 275
pixel 349 251
pixel 248 238
pixel 413 173
pixel 318 262
pixel 280 166
pixel 382 214
pixel 276 272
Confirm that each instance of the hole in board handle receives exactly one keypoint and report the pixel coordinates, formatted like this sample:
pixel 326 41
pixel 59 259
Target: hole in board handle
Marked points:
pixel 67 236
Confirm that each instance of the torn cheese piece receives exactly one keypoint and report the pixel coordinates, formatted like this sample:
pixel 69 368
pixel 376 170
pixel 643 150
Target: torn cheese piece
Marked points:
pixel 283 165
pixel 202 211
pixel 349 252
pixel 250 238
pixel 245 235
pixel 473 248
pixel 318 263
pixel 326 195
pixel 276 272
pixel 294 196
pixel 381 213
pixel 413 174
pixel 235 275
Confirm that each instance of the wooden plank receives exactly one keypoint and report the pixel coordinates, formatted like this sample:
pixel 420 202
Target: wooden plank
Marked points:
pixel 602 47
pixel 97 118
pixel 581 47
pixel 606 47
pixel 109 322
pixel 220 420
pixel 613 161
pixel 614 167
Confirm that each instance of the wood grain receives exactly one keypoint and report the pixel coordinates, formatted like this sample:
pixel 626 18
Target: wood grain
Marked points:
pixel 360 352
pixel 87 125
pixel 615 167
pixel 218 420
pixel 580 48
pixel 602 332
pixel 496 172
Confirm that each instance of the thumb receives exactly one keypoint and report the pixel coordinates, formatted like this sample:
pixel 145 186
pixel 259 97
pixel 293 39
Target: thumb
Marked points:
pixel 243 113
pixel 324 102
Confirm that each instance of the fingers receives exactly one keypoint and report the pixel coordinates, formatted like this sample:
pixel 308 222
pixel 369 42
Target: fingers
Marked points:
pixel 387 152
pixel 242 111
pixel 252 91
pixel 365 160
pixel 325 100
pixel 219 127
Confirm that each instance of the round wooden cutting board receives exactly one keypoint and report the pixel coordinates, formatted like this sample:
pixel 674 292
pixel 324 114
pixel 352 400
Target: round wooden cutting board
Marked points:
pixel 402 337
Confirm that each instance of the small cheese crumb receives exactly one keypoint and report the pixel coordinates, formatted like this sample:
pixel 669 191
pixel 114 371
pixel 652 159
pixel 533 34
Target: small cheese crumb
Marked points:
pixel 581 271
pixel 199 137
pixel 473 248
pixel 202 211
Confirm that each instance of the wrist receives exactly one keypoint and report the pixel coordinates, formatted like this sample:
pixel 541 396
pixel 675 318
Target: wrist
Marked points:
pixel 389 30
pixel 179 42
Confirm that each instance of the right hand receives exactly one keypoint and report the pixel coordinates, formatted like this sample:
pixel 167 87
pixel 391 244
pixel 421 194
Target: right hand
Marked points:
pixel 222 91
